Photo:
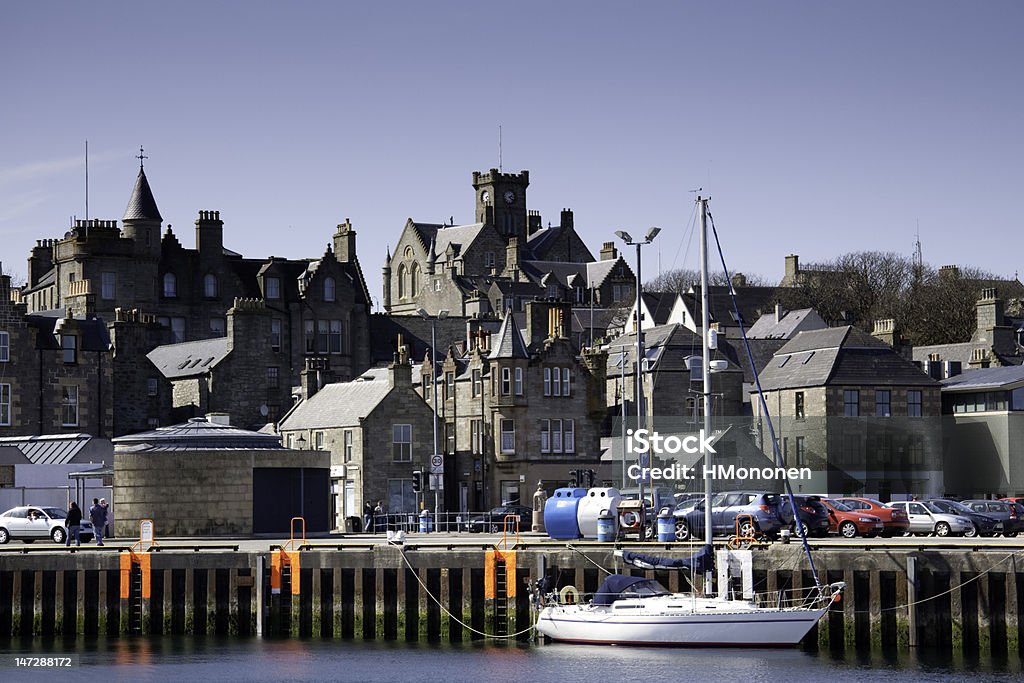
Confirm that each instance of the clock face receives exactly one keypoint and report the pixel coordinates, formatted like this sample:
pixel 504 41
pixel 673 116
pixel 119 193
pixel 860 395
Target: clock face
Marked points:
pixel 485 196
pixel 510 196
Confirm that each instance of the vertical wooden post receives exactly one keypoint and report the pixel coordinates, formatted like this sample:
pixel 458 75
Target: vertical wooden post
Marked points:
pixel 912 599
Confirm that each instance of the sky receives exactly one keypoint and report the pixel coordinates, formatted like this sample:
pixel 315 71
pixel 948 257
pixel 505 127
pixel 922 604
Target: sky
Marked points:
pixel 817 128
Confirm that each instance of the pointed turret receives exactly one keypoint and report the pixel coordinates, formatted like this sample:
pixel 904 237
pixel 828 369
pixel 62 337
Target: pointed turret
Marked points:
pixel 510 342
pixel 142 218
pixel 387 280
pixel 432 256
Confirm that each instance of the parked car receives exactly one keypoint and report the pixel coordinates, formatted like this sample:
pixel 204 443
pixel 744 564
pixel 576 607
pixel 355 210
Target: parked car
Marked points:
pixel 761 506
pixel 983 524
pixel 813 515
pixel 30 523
pixel 1003 511
pixel 850 523
pixel 894 520
pixel 927 518
pixel 490 522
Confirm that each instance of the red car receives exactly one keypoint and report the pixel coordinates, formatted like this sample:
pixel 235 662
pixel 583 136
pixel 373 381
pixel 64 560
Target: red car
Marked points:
pixel 850 523
pixel 894 522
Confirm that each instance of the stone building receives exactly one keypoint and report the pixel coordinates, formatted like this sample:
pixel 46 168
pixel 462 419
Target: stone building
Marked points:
pixel 516 408
pixel 503 259
pixel 862 417
pixel 317 306
pixel 377 429
pixel 998 339
pixel 201 478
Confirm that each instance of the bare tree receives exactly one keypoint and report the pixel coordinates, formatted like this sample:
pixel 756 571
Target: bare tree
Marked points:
pixel 682 279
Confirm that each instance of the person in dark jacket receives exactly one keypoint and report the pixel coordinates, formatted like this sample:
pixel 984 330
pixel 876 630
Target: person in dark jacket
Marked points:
pixel 73 522
pixel 98 517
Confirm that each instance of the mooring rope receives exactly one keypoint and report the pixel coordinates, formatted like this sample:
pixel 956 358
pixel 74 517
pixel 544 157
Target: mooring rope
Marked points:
pixel 448 612
pixel 587 558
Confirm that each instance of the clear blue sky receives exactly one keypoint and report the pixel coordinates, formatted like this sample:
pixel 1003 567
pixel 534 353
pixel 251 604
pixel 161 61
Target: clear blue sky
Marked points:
pixel 818 127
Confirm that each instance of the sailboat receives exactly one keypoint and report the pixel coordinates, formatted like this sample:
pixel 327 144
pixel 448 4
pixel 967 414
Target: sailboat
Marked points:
pixel 629 610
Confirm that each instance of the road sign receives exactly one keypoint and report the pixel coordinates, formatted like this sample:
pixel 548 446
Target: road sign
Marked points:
pixel 437 464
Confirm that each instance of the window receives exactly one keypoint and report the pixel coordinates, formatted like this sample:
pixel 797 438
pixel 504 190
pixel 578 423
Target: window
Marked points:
pixel 488 259
pixel 557 436
pixel 547 381
pixel 449 385
pixel 401 497
pixel 152 386
pixel 69 344
pixel 437 284
pixel 403 275
pixel 347 440
pixel 177 330
pixel 616 293
pixel 914 403
pixel 476 432
pixel 108 288
pixel 800 453
pixel 800 405
pixel 556 382
pixel 519 381
pixel 401 442
pixel 552 291
pixel 69 406
pixel 545 436
pixel 217 327
pixel 477 384
pixel 414 280
pixel 5 405
pixel 883 401
pixel 506 381
pixel 323 341
pixel 273 287
pixel 579 295
pixel 210 286
pixel 565 381
pixel 275 334
pixel 508 436
pixel 170 285
pixel 449 437
pixel 569 436
pixel 152 423
pixel 329 287
pixel 335 336
pixel 851 403
pixel 309 332
pixel 273 378
pixel 5 347
pixel 318 438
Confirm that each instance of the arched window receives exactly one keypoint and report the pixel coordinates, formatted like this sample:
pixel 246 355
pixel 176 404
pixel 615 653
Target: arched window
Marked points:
pixel 402 284
pixel 209 285
pixel 170 285
pixel 414 281
pixel 329 289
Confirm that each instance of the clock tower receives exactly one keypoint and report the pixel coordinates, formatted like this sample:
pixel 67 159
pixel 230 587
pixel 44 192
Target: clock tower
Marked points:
pixel 501 201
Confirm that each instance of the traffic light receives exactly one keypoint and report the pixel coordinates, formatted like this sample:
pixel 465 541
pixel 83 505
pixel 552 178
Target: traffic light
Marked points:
pixel 417 481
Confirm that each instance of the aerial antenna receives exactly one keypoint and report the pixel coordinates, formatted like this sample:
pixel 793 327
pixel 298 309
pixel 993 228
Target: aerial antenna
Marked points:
pixel 86 180
pixel 499 149
pixel 918 258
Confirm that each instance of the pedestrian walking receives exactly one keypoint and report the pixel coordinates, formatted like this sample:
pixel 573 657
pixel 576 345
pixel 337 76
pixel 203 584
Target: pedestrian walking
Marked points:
pixel 378 516
pixel 106 518
pixel 98 517
pixel 73 522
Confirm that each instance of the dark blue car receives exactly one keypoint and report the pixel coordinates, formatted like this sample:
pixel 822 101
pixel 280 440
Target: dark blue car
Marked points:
pixel 983 524
pixel 759 510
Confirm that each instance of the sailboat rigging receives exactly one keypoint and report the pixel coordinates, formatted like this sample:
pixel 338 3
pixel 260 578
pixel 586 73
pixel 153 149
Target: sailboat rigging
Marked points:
pixel 630 610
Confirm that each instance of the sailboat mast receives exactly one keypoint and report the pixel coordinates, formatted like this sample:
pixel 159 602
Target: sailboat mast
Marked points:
pixel 706 360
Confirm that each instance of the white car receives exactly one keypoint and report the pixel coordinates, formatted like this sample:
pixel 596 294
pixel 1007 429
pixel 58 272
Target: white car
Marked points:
pixel 926 518
pixel 31 522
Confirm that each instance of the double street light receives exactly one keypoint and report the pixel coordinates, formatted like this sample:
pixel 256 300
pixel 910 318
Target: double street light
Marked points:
pixel 648 238
pixel 441 315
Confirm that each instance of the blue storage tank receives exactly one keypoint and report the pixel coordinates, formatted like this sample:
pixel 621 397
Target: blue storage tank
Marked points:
pixel 560 514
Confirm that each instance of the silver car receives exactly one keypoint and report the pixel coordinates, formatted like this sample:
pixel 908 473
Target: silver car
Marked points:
pixel 35 522
pixel 927 518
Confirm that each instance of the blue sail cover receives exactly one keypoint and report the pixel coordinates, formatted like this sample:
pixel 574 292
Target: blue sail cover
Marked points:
pixel 618 586
pixel 698 562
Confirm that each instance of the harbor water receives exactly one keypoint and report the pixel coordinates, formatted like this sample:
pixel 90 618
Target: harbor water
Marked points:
pixel 186 658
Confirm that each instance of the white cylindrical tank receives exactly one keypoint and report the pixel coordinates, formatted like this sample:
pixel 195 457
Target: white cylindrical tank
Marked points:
pixel 592 505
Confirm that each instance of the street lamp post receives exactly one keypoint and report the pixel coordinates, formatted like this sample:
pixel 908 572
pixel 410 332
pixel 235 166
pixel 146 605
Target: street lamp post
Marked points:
pixel 441 315
pixel 648 238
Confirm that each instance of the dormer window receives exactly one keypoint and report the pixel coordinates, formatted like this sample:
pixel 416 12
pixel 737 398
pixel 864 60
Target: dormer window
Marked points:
pixel 170 285
pixel 329 289
pixel 273 287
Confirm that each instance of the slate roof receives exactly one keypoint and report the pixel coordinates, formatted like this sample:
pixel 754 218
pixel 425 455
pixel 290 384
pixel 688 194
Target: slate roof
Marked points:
pixel 458 236
pixel 766 326
pixel 340 404
pixel 197 434
pixel 839 356
pixel 752 301
pixel 92 332
pixel 141 205
pixel 415 331
pixel 986 379
pixel 666 348
pixel 189 359
pixel 660 304
pixel 509 342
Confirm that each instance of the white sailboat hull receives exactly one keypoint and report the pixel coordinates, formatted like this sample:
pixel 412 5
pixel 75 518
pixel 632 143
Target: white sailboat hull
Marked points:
pixel 678 620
